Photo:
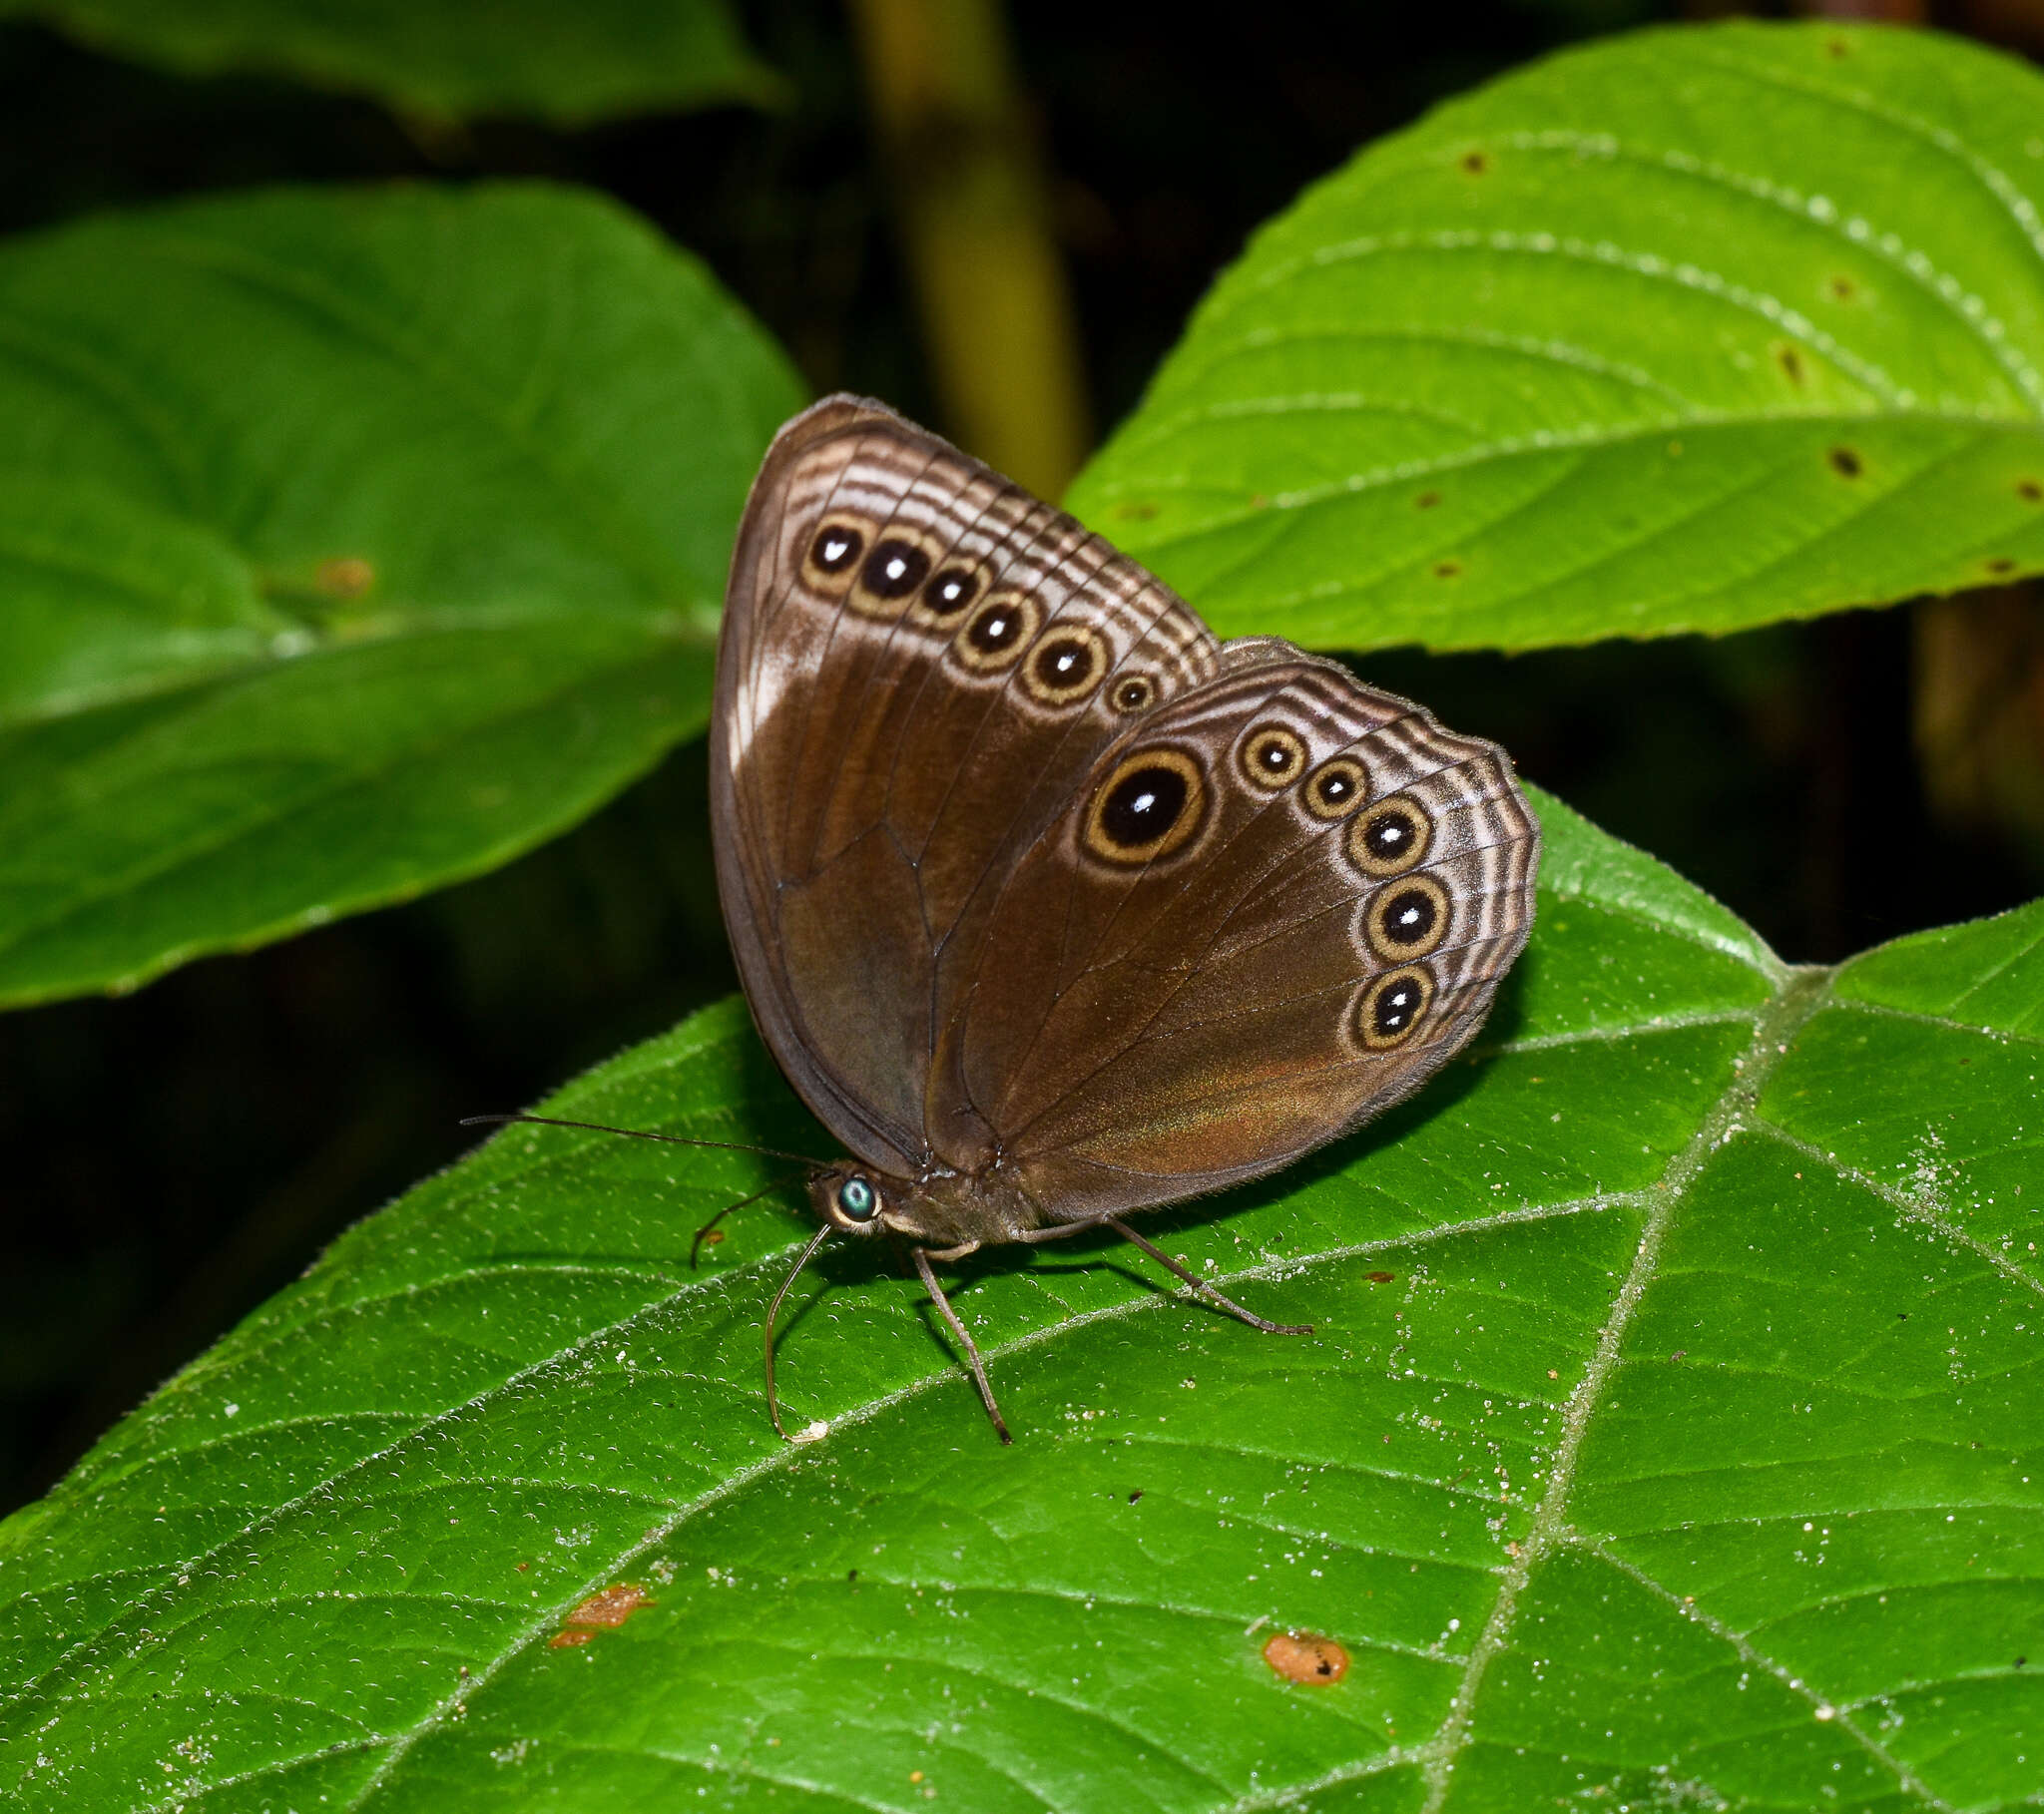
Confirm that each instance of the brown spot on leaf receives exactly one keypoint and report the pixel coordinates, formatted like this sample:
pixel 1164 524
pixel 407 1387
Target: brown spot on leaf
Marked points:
pixel 1426 499
pixel 1837 47
pixel 1447 570
pixel 605 1609
pixel 1843 287
pixel 1380 1278
pixel 1302 1657
pixel 2001 564
pixel 1133 1497
pixel 1790 362
pixel 712 1238
pixel 1475 162
pixel 1844 462
pixel 2030 491
pixel 1132 512
pixel 348 577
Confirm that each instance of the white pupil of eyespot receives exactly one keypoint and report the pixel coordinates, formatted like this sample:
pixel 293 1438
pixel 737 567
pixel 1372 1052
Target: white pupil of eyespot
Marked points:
pixel 1393 832
pixel 896 568
pixel 1143 803
pixel 1408 916
pixel 996 628
pixel 1067 662
pixel 834 551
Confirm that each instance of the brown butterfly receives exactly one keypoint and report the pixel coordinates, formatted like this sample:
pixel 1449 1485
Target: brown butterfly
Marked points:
pixel 1050 905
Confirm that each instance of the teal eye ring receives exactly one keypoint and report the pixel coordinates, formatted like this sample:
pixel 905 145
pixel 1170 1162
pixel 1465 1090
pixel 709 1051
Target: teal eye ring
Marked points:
pixel 858 1200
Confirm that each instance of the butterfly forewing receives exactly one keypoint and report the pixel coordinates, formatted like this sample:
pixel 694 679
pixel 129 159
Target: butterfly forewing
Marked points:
pixel 920 665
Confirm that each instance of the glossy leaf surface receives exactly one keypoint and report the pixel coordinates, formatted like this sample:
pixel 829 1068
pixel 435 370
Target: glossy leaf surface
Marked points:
pixel 388 539
pixel 1690 329
pixel 1670 1439
pixel 445 58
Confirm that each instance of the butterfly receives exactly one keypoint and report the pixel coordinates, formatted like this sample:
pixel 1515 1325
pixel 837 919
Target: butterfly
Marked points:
pixel 1050 905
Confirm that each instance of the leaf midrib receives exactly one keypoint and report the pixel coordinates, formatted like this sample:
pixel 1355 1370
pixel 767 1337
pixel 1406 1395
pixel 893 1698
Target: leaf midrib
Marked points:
pixel 1804 994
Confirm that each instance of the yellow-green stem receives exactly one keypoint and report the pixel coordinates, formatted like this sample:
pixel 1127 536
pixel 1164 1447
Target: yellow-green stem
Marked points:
pixel 975 221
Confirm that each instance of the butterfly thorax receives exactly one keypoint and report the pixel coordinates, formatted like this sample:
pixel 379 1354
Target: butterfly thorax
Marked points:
pixel 938 1209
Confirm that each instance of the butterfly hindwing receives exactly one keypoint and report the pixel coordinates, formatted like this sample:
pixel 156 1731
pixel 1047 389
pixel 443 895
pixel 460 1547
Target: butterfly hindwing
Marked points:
pixel 1276 907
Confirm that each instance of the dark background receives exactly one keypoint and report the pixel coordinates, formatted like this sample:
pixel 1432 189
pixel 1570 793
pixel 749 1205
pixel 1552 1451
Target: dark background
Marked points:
pixel 173 1157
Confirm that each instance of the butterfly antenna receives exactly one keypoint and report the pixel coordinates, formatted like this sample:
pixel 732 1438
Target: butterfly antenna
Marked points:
pixel 821 1236
pixel 640 1133
pixel 695 1246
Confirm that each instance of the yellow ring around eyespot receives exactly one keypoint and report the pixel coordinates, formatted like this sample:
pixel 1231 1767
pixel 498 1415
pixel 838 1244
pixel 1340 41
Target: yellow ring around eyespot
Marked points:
pixel 1249 760
pixel 871 604
pixel 820 579
pixel 1347 768
pixel 925 614
pixel 1133 692
pixel 1005 600
pixel 1179 832
pixel 1366 1007
pixel 1360 829
pixel 1377 930
pixel 1100 660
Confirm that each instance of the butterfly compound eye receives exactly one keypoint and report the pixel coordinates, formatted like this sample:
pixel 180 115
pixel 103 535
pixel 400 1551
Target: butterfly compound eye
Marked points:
pixel 858 1200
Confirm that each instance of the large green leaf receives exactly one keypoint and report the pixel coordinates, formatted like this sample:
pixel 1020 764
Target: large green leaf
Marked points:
pixel 1670 1439
pixel 450 58
pixel 350 543
pixel 1685 330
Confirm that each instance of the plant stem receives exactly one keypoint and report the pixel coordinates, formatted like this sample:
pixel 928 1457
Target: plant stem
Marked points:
pixel 973 216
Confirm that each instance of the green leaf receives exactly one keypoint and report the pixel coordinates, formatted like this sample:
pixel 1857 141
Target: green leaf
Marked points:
pixel 1690 329
pixel 450 59
pixel 1670 1439
pixel 387 540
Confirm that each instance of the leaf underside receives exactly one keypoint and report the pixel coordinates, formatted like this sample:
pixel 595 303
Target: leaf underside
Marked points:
pixel 1670 1439
pixel 386 542
pixel 1690 329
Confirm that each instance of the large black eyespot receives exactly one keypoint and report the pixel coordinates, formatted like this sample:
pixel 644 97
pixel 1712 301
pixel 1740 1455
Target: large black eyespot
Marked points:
pixel 858 1200
pixel 1065 665
pixel 895 569
pixel 953 589
pixel 1271 757
pixel 1392 837
pixel 1336 788
pixel 1408 920
pixel 1392 1006
pixel 1149 808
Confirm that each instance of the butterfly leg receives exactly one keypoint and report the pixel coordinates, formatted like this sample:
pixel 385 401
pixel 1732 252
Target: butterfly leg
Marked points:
pixel 773 1315
pixel 943 1303
pixel 1200 1285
